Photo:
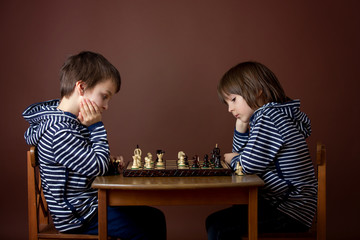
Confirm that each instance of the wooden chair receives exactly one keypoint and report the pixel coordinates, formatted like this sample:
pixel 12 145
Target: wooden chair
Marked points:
pixel 318 231
pixel 40 223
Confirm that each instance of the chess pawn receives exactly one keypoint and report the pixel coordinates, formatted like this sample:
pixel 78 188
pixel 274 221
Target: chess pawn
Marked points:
pixel 135 163
pixel 182 161
pixel 149 156
pixel 196 162
pixel 206 163
pixel 147 163
pixel 186 160
pixel 238 170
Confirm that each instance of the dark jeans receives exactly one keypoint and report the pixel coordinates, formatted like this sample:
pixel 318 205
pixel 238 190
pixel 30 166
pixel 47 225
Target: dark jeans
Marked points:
pixel 232 223
pixel 134 222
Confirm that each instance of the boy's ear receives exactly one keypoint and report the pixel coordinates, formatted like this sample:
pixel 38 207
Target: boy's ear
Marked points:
pixel 80 87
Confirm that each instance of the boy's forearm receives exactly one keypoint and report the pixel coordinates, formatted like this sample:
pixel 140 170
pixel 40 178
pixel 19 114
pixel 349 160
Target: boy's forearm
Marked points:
pixel 100 145
pixel 87 156
pixel 239 141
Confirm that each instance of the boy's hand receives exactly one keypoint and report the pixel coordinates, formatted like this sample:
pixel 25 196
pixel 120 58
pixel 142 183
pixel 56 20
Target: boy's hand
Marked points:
pixel 118 161
pixel 229 156
pixel 241 126
pixel 89 112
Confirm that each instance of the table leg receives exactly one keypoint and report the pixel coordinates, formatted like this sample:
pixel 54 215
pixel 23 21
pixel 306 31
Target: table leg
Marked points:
pixel 102 211
pixel 253 213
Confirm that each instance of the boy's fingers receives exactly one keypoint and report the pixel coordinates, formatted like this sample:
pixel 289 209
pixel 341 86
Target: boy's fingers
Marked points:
pixel 89 112
pixel 90 106
pixel 84 106
pixel 95 106
pixel 84 110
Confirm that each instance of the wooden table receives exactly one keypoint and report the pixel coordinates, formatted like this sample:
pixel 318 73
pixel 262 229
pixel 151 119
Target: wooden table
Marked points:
pixel 161 191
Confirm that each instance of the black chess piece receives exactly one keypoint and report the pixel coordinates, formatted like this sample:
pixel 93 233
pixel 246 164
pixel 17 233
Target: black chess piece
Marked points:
pixel 116 167
pixel 217 162
pixel 206 163
pixel 196 162
pixel 212 158
pixel 216 151
pixel 159 152
pixel 186 160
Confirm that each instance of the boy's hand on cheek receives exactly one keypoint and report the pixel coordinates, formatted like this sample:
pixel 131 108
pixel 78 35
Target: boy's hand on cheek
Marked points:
pixel 89 112
pixel 241 126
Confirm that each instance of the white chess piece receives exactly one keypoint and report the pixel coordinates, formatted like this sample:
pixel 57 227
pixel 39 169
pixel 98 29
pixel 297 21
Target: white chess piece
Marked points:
pixel 238 170
pixel 181 157
pixel 147 163
pixel 135 163
pixel 137 154
pixel 149 155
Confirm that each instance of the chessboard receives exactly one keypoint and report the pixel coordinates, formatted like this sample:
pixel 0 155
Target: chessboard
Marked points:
pixel 182 167
pixel 171 169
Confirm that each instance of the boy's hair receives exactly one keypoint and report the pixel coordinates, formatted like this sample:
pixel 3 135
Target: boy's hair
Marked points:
pixel 89 67
pixel 253 81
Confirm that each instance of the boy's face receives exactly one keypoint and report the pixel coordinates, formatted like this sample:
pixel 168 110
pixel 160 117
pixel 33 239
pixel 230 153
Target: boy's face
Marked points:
pixel 238 107
pixel 101 94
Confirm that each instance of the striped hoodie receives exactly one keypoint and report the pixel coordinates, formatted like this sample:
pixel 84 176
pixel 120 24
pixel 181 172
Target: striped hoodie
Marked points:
pixel 71 155
pixel 276 150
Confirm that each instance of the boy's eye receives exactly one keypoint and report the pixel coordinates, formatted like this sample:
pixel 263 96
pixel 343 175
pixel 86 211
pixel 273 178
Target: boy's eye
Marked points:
pixel 105 97
pixel 233 100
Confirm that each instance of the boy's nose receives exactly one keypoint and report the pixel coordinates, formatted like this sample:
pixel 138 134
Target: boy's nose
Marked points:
pixel 230 108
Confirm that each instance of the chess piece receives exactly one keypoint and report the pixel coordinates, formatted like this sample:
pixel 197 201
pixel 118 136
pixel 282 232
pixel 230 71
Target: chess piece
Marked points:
pixel 217 163
pixel 181 161
pixel 147 163
pixel 117 164
pixel 160 163
pixel 137 154
pixel 214 153
pixel 137 151
pixel 149 155
pixel 135 163
pixel 181 154
pixel 196 162
pixel 206 163
pixel 238 169
pixel 216 150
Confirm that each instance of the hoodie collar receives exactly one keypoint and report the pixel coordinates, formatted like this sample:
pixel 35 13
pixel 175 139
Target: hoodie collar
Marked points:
pixel 259 112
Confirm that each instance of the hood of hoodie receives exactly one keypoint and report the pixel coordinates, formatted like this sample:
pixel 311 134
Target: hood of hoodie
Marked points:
pixel 290 109
pixel 40 115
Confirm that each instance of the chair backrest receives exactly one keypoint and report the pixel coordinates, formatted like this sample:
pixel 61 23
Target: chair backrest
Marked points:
pixel 37 207
pixel 40 223
pixel 321 205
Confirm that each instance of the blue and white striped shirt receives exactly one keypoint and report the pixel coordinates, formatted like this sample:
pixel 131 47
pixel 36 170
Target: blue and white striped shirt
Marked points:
pixel 71 155
pixel 276 150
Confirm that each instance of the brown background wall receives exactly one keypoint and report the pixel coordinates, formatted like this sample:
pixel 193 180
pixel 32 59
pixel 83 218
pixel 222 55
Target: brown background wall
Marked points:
pixel 171 55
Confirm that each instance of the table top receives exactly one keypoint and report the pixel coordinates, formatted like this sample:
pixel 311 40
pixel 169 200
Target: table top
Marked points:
pixel 161 183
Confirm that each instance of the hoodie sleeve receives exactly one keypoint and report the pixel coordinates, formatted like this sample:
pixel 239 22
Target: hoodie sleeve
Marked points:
pixel 261 149
pixel 87 156
pixel 239 141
